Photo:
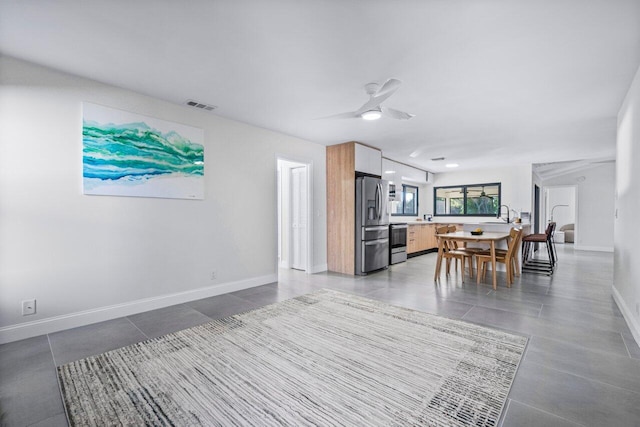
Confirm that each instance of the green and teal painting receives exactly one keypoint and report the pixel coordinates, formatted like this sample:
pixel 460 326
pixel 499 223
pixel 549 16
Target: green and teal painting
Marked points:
pixel 127 154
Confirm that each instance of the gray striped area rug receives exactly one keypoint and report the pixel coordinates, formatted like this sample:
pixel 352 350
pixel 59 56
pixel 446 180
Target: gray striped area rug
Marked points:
pixel 323 359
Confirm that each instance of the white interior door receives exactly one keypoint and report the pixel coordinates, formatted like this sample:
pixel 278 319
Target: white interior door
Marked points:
pixel 299 218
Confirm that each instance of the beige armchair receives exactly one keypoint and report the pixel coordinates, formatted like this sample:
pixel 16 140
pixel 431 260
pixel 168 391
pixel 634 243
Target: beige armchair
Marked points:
pixel 568 232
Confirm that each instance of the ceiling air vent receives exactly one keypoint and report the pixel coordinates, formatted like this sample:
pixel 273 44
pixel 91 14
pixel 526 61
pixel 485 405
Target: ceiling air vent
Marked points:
pixel 437 159
pixel 199 105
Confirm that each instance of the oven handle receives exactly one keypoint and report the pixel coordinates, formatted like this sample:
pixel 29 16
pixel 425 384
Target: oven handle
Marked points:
pixel 400 226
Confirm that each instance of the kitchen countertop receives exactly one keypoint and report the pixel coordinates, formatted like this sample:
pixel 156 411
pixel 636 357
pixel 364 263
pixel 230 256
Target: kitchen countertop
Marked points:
pixel 475 224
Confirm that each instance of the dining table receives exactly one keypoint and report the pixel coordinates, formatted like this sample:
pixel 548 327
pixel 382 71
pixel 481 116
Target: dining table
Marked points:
pixel 489 237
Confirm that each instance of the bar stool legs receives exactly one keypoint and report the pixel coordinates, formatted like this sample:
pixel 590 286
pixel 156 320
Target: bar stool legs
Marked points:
pixel 540 265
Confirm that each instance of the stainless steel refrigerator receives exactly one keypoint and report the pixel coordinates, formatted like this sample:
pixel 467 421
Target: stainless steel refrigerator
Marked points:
pixel 372 225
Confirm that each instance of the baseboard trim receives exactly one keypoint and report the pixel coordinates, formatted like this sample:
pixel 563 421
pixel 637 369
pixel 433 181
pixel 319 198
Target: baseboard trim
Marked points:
pixel 319 268
pixel 100 314
pixel 627 313
pixel 593 248
pixel 424 252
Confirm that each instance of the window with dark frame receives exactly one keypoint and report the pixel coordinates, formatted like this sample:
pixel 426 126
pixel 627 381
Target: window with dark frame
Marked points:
pixel 408 203
pixel 467 200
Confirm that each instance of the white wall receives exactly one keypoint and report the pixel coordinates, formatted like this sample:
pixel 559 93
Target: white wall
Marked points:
pixel 626 283
pixel 558 197
pixel 536 180
pixel 595 190
pixel 425 200
pixel 90 258
pixel 515 190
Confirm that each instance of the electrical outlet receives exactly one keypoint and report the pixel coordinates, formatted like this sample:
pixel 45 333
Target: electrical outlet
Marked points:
pixel 28 307
pixel 213 275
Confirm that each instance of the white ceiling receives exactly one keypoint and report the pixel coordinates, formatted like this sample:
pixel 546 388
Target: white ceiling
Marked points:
pixel 491 82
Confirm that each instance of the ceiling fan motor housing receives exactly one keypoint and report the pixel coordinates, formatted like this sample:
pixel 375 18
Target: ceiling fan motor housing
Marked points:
pixel 371 88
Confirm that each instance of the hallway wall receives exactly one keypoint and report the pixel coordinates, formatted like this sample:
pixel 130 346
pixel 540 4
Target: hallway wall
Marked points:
pixel 91 258
pixel 626 286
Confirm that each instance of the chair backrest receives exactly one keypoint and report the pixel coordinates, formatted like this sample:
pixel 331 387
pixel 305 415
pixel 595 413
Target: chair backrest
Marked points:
pixel 550 227
pixel 442 230
pixel 447 246
pixel 452 229
pixel 515 235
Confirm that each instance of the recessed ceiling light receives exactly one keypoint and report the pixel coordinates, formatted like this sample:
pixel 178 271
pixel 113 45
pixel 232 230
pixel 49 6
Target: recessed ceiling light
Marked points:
pixel 371 115
pixel 452 165
pixel 389 171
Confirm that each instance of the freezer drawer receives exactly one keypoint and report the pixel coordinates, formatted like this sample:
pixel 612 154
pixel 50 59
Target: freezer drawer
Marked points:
pixel 375 255
pixel 375 232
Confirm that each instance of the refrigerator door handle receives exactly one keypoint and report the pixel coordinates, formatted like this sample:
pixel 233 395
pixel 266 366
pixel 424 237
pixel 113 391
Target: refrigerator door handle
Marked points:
pixel 379 201
pixel 377 198
pixel 375 242
pixel 376 227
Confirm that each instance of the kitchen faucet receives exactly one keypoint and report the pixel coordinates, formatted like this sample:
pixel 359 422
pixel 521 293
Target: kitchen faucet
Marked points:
pixel 500 212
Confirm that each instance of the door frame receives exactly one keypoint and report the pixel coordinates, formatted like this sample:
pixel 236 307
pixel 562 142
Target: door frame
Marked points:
pixel 308 164
pixel 291 248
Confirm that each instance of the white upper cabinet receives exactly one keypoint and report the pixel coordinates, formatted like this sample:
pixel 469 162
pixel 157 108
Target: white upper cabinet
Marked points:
pixel 398 172
pixel 368 160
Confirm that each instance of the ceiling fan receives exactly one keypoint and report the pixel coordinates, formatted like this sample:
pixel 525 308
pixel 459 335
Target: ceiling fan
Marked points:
pixel 372 110
pixel 483 194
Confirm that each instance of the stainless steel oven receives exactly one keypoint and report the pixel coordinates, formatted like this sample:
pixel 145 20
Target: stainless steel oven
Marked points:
pixel 398 245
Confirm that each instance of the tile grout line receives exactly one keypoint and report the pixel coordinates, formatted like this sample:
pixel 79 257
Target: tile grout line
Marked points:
pixel 55 368
pixel 625 345
pixel 587 378
pixel 505 411
pixel 53 356
pixel 467 312
pixel 136 326
pixel 548 413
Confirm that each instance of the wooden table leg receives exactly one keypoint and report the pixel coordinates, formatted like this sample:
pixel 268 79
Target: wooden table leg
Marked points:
pixel 439 260
pixel 493 264
pixel 516 261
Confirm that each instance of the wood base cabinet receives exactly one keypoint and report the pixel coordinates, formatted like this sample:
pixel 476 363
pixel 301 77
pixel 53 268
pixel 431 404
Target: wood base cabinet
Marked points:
pixel 421 237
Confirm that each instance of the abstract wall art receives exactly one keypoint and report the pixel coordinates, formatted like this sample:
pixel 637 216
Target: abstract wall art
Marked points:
pixel 127 154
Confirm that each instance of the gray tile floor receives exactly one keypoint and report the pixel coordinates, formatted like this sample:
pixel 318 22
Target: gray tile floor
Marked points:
pixel 581 366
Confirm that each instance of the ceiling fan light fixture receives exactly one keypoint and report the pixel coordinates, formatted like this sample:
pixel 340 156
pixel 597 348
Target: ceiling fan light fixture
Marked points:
pixel 371 115
pixel 483 195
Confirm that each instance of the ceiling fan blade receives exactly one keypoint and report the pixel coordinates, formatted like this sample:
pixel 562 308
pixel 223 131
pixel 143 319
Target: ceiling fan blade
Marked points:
pixel 389 87
pixel 384 92
pixel 349 115
pixel 396 114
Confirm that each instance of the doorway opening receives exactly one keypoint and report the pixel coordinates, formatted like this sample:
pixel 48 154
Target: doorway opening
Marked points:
pixel 560 206
pixel 294 215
